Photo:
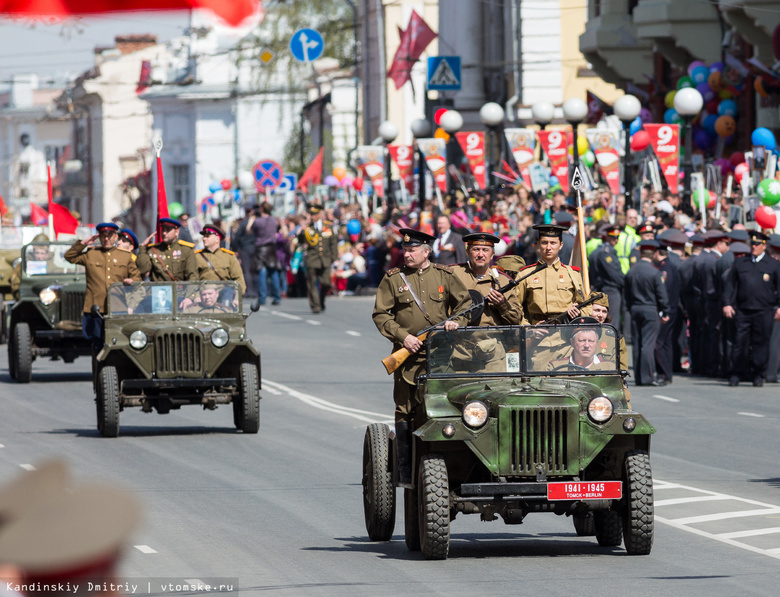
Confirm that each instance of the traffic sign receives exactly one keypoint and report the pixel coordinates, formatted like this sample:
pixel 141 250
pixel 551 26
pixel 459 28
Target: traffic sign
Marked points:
pixel 306 45
pixel 268 175
pixel 576 179
pixel 444 73
pixel 288 184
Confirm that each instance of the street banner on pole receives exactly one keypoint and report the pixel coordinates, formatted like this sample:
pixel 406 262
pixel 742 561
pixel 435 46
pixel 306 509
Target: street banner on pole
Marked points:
pixel 371 159
pixel 555 144
pixel 435 152
pixel 665 139
pixel 403 156
pixel 522 144
pixel 605 144
pixel 473 145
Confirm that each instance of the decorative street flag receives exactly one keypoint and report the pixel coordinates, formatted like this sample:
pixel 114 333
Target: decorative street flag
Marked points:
pixel 413 42
pixel 473 145
pixel 597 109
pixel 403 156
pixel 522 144
pixel 313 174
pixel 372 161
pixel 555 144
pixel 3 208
pixel 435 152
pixel 62 220
pixel 605 144
pixel 665 139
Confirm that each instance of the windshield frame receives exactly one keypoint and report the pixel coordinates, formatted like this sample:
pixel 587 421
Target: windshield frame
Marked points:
pixel 62 248
pixel 142 293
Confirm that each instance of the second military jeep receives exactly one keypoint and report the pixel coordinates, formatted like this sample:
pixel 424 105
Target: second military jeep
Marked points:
pixel 515 422
pixel 173 344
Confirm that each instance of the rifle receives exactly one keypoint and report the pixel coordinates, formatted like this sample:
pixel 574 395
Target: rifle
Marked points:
pixel 564 317
pixel 396 359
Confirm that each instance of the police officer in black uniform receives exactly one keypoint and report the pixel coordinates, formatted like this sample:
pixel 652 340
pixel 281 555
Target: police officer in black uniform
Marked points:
pixel 751 295
pixel 706 285
pixel 664 346
pixel 606 274
pixel 692 310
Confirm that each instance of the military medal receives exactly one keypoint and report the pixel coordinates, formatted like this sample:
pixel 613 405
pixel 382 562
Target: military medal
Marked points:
pixel 766 277
pixel 176 254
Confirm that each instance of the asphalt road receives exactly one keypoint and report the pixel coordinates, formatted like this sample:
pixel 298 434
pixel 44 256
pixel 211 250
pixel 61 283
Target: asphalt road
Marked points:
pixel 281 513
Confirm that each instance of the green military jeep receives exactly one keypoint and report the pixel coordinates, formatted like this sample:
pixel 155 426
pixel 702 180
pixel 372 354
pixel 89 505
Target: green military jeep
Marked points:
pixel 171 344
pixel 518 420
pixel 46 319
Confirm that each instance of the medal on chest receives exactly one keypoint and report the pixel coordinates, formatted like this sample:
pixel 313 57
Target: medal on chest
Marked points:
pixel 403 288
pixel 766 277
pixel 176 254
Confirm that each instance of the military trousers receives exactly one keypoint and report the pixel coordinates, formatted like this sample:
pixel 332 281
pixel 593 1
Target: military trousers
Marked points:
pixel 774 353
pixel 645 324
pixel 317 286
pixel 751 343
pixel 664 351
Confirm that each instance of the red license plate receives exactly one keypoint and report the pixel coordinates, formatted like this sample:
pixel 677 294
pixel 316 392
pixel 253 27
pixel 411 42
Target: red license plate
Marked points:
pixel 585 490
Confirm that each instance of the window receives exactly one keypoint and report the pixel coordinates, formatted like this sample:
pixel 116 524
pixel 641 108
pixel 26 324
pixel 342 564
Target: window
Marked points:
pixel 181 184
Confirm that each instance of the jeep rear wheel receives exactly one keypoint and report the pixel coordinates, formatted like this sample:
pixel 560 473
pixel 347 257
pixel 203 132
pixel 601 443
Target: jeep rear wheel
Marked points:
pixel 108 402
pixel 434 508
pixel 609 528
pixel 250 399
pixel 22 353
pixel 378 489
pixel 584 525
pixel 638 520
pixel 411 519
pixel 11 357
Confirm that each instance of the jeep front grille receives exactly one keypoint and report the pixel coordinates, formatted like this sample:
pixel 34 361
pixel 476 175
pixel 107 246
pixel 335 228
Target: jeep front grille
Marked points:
pixel 179 353
pixel 72 305
pixel 535 437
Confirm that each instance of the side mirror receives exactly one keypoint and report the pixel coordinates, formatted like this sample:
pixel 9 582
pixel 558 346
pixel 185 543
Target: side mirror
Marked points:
pixel 254 307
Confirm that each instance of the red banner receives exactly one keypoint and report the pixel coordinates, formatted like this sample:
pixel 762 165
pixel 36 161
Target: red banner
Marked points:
pixel 403 156
pixel 371 159
pixel 435 152
pixel 605 145
pixel 555 144
pixel 473 145
pixel 522 143
pixel 665 139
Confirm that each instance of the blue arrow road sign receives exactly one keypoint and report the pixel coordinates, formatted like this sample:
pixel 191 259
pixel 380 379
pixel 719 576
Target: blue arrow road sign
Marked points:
pixel 306 45
pixel 444 73
pixel 288 184
pixel 268 174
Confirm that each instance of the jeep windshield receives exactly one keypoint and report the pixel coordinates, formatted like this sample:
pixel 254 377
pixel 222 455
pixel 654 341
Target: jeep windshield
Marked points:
pixel 528 350
pixel 181 298
pixel 45 259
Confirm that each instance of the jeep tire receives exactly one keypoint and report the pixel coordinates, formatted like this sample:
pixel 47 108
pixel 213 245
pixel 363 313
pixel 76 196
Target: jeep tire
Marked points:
pixel 434 508
pixel 584 525
pixel 378 488
pixel 250 398
pixel 107 401
pixel 21 354
pixel 609 528
pixel 638 519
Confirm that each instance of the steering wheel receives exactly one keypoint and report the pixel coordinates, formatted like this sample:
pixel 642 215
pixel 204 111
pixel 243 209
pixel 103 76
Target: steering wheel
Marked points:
pixel 570 366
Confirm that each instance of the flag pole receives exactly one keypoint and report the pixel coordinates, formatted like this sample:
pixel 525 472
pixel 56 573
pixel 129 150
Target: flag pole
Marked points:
pixel 158 145
pixel 576 183
pixel 49 193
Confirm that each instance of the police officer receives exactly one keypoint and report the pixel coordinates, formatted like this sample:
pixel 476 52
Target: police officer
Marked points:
pixel 408 300
pixel 751 296
pixel 693 310
pixel 648 302
pixel 664 346
pixel 215 262
pixel 321 246
pixel 606 274
pixel 169 260
pixel 104 265
pixel 707 291
pixel 476 274
pixel 773 248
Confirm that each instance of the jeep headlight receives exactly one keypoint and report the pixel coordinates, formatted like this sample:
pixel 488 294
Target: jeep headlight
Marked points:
pixel 138 339
pixel 49 294
pixel 475 414
pixel 600 409
pixel 219 337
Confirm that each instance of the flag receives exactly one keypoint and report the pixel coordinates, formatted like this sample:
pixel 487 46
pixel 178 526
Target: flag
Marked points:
pixel 38 215
pixel 234 12
pixel 3 208
pixel 145 80
pixel 313 173
pixel 555 143
pixel 522 143
pixel 597 108
pixel 403 156
pixel 413 42
pixel 63 221
pixel 665 139
pixel 473 145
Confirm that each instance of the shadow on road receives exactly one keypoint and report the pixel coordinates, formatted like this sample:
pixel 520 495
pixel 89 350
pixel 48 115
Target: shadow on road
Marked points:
pixel 773 482
pixel 50 377
pixel 150 431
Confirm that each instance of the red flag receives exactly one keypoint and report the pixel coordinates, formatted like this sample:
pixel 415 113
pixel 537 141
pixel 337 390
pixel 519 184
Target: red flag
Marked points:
pixel 597 108
pixel 38 215
pixel 234 11
pixel 413 42
pixel 473 145
pixel 403 156
pixel 145 80
pixel 555 143
pixel 313 173
pixel 3 208
pixel 62 220
pixel 162 198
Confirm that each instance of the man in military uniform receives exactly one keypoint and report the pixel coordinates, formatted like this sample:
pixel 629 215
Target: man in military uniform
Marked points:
pixel 751 296
pixel 128 241
pixel 215 262
pixel 321 246
pixel 606 274
pixel 104 265
pixel 774 341
pixel 584 345
pixel 408 300
pixel 39 252
pixel 169 260
pixel 209 301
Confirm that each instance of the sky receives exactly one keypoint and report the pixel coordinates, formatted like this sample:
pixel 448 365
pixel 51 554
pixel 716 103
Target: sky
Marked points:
pixel 66 48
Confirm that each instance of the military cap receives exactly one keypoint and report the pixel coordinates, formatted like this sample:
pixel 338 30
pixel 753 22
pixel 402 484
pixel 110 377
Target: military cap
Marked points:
pixel 603 301
pixel 740 235
pixel 563 218
pixel 697 240
pixel 214 230
pixel 550 230
pixel 610 230
pixel 774 241
pixel 512 263
pixel 131 235
pixel 647 244
pixel 40 238
pixel 314 208
pixel 646 228
pixel 739 247
pixel 481 238
pixel 169 221
pixel 570 330
pixel 757 237
pixel 29 489
pixel 106 226
pixel 713 236
pixel 414 238
pixel 672 237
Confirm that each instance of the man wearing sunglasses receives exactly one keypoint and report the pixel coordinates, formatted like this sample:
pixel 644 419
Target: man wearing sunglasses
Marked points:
pixel 171 259
pixel 215 262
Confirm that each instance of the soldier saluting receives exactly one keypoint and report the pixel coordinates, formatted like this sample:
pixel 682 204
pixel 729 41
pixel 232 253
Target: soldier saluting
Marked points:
pixel 215 262
pixel 169 260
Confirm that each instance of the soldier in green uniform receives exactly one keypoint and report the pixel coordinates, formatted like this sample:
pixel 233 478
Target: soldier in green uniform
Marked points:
pixel 321 246
pixel 104 265
pixel 408 300
pixel 215 262
pixel 128 240
pixel 39 253
pixel 169 260
pixel 209 302
pixel 585 349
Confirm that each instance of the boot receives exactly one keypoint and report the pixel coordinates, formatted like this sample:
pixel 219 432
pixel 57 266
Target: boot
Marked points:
pixel 403 451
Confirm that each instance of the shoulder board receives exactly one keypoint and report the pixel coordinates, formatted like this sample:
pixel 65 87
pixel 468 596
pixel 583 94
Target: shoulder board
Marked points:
pixel 186 244
pixel 228 251
pixel 133 256
pixel 529 265
pixel 199 250
pixel 121 249
pixel 443 268
pixel 393 271
pixel 574 267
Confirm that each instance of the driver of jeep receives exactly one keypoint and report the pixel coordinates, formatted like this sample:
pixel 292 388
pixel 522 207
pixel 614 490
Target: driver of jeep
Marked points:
pixel 584 343
pixel 209 297
pixel 39 253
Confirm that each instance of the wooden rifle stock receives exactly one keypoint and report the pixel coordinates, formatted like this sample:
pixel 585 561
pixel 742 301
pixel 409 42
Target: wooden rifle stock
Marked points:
pixel 562 317
pixel 397 359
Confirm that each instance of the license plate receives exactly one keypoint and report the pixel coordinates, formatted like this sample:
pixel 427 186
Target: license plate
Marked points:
pixel 585 490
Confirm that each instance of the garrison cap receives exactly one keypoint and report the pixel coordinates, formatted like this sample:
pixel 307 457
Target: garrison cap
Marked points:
pixel 739 247
pixel 106 226
pixel 414 238
pixel 646 228
pixel 214 230
pixel 757 237
pixel 512 263
pixel 169 221
pixel 131 235
pixel 481 238
pixel 740 235
pixel 603 301
pixel 584 320
pixel 40 238
pixel 647 244
pixel 550 230
pixel 774 241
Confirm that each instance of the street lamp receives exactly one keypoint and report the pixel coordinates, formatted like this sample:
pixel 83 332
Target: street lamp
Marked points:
pixel 688 102
pixel 388 131
pixel 542 113
pixel 627 108
pixel 492 115
pixel 574 111
pixel 451 121
pixel 421 128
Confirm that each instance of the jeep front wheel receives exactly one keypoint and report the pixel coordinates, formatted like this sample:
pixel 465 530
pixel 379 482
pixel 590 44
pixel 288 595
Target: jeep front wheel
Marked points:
pixel 378 489
pixel 250 399
pixel 638 520
pixel 434 508
pixel 22 353
pixel 107 401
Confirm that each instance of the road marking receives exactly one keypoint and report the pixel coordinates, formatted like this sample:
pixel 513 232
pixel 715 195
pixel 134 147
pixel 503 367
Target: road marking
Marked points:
pixel 351 333
pixel 667 398
pixel 690 500
pixel 27 467
pixel 312 322
pixel 144 549
pixel 286 315
pixel 725 516
pixel 2 446
pixel 750 533
pixel 752 415
pixel 273 391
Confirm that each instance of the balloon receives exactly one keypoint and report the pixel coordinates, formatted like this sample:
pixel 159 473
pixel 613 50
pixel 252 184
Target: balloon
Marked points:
pixel 672 117
pixel 669 99
pixel 702 140
pixel 766 217
pixel 706 93
pixel 725 94
pixel 714 81
pixel 699 75
pixel 640 141
pixel 636 124
pixel 684 82
pixel 694 65
pixel 727 107
pixel 214 187
pixel 331 181
pixel 769 191
pixel 347 181
pixel 353 227
pixel 175 209
pixel 553 180
pixel 645 115
pixel 237 195
pixel 736 158
pixel 741 171
pixel 716 67
pixel 708 123
pixel 500 248
pixel 582 146
pixel 724 165
pixel 358 184
pixel 702 195
pixel 589 158
pixel 763 136
pixel 339 173
pixel 725 126
pixel 225 184
pixel 711 107
pixel 245 179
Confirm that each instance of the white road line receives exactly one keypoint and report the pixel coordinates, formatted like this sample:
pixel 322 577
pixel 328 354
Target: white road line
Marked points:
pixel 2 446
pixel 667 398
pixel 312 322
pixel 725 516
pixel 351 333
pixel 750 533
pixel 752 415
pixel 27 467
pixel 273 391
pixel 361 415
pixel 286 315
pixel 144 549
pixel 690 500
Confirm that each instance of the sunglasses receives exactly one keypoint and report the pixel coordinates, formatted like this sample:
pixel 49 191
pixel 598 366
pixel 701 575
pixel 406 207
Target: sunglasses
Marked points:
pixel 106 232
pixel 167 228
pixel 207 233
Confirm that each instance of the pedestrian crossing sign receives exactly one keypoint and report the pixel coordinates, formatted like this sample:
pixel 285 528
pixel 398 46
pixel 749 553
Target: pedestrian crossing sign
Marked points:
pixel 444 73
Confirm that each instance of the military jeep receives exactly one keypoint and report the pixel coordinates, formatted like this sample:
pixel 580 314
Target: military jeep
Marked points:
pixel 172 344
pixel 46 319
pixel 517 420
